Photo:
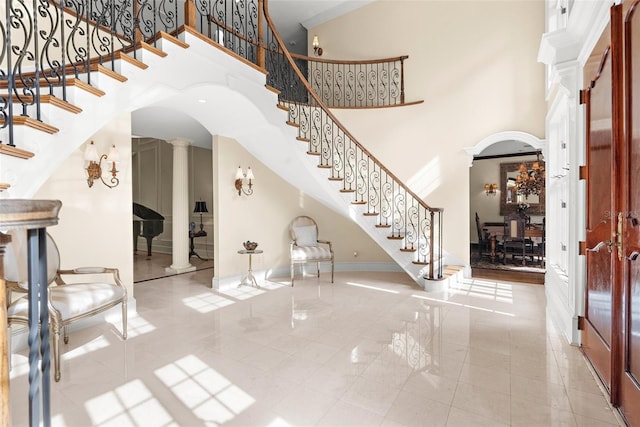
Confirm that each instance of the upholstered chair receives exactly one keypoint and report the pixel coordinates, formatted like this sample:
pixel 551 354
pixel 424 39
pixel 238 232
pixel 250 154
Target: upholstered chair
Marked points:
pixel 86 292
pixel 306 247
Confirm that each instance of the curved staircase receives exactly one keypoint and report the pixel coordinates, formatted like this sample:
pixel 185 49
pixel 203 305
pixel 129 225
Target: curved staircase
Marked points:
pixel 280 135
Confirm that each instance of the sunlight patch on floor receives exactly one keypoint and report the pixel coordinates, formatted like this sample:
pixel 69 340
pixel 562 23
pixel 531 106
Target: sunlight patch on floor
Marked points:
pixel 206 302
pixel 208 394
pixel 137 326
pixel 131 404
pixel 375 288
pixel 93 345
pixel 473 307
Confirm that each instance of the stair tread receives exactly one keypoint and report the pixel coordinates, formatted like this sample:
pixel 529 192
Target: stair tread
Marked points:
pixel 32 123
pixel 15 152
pixel 146 46
pixel 4 186
pixel 49 99
pixel 70 81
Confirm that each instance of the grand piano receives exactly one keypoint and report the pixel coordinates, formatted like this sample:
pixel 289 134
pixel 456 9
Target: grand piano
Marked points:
pixel 148 223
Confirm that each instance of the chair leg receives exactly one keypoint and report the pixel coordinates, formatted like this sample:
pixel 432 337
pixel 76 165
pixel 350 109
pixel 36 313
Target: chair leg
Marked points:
pixel 65 330
pixel 56 352
pixel 331 271
pixel 124 319
pixel 292 273
pixel 318 268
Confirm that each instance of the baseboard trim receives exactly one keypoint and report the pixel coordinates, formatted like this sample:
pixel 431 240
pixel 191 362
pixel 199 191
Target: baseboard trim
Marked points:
pixel 281 272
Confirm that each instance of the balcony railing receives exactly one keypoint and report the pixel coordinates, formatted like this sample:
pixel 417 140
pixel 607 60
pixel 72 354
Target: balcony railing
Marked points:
pixel 355 84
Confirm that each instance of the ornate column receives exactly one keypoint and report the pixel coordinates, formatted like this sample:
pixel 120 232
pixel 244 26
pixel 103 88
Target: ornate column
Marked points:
pixel 180 222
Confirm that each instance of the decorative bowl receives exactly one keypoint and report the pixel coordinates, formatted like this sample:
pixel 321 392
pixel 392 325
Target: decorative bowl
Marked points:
pixel 249 245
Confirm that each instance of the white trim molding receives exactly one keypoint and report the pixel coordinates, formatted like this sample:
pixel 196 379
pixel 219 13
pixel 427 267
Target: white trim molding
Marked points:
pixel 510 135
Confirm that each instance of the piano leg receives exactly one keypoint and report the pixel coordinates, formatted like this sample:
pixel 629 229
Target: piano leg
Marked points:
pixel 149 239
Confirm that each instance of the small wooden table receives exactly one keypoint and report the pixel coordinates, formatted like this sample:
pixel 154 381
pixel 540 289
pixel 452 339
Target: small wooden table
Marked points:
pixel 193 235
pixel 249 279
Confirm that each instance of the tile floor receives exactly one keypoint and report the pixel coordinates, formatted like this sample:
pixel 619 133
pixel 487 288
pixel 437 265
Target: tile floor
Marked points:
pixel 370 350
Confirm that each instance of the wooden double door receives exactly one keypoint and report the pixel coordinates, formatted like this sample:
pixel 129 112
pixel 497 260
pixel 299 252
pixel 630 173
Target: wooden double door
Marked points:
pixel 611 327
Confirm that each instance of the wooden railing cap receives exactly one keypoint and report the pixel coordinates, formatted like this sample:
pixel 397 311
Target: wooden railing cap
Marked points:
pixel 28 213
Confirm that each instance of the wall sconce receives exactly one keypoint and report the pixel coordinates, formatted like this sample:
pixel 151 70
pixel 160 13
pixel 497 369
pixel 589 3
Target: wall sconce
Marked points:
pixel 240 177
pixel 201 206
pixel 490 189
pixel 94 170
pixel 317 50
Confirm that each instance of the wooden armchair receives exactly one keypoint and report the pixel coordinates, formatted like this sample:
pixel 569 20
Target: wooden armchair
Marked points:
pixel 68 301
pixel 514 241
pixel 484 240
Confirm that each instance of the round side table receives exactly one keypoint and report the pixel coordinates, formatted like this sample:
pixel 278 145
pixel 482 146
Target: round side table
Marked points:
pixel 249 279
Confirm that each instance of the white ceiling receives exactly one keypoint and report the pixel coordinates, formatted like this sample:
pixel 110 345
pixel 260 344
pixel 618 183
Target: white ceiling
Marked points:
pixel 293 17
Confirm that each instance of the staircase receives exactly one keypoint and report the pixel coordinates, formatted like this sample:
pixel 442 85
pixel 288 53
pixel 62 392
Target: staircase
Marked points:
pixel 292 131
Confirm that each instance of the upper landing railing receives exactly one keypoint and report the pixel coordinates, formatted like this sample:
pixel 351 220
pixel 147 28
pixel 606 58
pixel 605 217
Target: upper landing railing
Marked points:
pixel 48 45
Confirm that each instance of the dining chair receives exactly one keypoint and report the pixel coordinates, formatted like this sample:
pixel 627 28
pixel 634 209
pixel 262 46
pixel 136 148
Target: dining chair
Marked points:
pixel 514 242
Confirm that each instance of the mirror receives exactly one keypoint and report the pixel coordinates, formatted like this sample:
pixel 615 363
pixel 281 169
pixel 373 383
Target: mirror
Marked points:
pixel 509 199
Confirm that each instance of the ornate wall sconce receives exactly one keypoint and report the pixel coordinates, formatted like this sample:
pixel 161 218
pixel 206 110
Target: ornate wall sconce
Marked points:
pixel 94 170
pixel 490 189
pixel 317 50
pixel 240 177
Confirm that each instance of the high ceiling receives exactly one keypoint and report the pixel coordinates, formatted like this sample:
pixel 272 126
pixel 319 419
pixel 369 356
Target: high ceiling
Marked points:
pixel 293 17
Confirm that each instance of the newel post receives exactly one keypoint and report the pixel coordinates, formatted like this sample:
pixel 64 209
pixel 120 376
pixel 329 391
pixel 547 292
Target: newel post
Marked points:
pixel 5 415
pixel 190 14
pixel 261 53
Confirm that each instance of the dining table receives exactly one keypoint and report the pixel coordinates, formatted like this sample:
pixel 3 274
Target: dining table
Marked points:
pixel 533 231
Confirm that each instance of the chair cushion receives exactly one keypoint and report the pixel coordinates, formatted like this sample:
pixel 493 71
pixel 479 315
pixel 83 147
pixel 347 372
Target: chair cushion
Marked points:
pixel 73 300
pixel 307 235
pixel 310 253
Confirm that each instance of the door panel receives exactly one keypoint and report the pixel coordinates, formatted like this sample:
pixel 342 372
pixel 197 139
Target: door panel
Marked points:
pixel 630 354
pixel 596 340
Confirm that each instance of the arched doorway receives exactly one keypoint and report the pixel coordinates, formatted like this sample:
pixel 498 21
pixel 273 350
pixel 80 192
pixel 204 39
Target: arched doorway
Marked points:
pixel 494 165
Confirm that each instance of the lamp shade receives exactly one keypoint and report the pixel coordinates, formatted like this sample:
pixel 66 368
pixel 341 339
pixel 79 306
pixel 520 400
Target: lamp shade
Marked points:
pixel 114 154
pixel 315 42
pixel 250 174
pixel 201 206
pixel 91 154
pixel 239 173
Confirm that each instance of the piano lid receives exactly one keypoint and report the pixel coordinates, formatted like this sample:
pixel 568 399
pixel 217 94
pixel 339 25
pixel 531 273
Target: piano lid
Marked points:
pixel 144 212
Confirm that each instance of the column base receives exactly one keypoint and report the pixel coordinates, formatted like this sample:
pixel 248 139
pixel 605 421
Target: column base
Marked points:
pixel 178 270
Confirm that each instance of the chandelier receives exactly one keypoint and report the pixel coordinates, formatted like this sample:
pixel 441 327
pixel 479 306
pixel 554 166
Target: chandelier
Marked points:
pixel 530 180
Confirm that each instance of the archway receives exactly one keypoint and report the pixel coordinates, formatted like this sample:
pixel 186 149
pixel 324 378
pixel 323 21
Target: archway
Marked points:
pixel 493 160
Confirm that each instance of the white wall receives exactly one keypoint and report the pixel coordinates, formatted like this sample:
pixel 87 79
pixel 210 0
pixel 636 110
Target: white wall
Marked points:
pixel 473 63
pixel 95 223
pixel 264 217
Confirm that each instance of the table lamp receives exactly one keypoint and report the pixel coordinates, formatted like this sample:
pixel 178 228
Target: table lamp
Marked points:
pixel 201 206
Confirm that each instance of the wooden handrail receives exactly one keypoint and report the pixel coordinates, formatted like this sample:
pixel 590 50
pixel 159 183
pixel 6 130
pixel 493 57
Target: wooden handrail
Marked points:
pixel 328 112
pixel 348 62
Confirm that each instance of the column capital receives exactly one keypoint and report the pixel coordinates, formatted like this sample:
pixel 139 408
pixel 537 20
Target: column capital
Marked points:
pixel 180 142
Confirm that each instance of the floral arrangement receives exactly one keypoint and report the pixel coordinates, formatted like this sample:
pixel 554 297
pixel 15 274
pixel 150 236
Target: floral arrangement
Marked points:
pixel 523 206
